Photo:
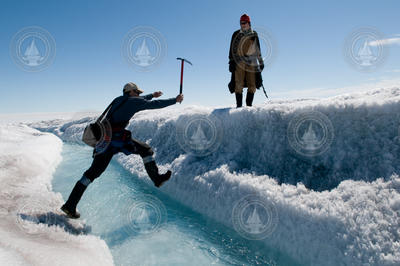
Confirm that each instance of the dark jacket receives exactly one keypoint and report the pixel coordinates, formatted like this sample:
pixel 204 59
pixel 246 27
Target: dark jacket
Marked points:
pixel 120 117
pixel 236 56
pixel 238 37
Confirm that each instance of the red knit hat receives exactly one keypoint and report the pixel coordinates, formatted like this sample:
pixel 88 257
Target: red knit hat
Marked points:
pixel 245 17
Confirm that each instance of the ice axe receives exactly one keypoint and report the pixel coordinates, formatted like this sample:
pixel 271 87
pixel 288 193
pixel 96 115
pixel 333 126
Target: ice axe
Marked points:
pixel 182 62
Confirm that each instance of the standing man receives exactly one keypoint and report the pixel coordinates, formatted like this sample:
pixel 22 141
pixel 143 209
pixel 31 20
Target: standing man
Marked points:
pixel 122 110
pixel 244 53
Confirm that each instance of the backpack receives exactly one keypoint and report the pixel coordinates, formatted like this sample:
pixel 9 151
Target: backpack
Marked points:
pixel 95 132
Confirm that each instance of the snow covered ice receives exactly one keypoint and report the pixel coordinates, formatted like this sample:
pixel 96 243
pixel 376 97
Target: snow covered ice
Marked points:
pixel 31 225
pixel 340 207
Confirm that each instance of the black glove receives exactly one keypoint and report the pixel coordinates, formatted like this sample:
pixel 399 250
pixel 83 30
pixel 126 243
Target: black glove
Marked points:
pixel 232 66
pixel 261 66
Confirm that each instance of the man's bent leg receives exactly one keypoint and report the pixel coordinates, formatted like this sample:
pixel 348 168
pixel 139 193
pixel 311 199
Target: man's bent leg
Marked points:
pixel 145 151
pixel 99 164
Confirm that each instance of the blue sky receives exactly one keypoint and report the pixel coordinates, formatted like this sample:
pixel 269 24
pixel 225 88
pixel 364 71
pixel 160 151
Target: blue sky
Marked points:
pixel 89 71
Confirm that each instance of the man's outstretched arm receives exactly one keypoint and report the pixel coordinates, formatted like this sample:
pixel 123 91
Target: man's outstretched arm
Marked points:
pixel 148 96
pixel 153 95
pixel 156 104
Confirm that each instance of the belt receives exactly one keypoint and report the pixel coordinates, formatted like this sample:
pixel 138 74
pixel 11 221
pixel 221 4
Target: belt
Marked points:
pixel 117 129
pixel 121 134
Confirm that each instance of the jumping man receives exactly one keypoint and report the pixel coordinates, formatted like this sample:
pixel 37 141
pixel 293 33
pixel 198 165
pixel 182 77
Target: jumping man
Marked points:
pixel 122 110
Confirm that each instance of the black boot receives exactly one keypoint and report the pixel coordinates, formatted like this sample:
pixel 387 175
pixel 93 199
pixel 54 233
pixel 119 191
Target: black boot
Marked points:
pixel 152 171
pixel 249 98
pixel 239 99
pixel 70 206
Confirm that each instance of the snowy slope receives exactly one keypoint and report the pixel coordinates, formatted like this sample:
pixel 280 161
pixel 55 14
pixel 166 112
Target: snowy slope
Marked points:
pixel 28 206
pixel 340 207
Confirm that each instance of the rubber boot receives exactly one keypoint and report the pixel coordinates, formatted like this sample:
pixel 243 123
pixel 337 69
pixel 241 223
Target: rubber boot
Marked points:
pixel 152 171
pixel 249 98
pixel 70 206
pixel 239 100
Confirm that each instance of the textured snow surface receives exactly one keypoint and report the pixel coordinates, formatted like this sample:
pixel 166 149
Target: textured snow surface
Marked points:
pixel 32 229
pixel 338 208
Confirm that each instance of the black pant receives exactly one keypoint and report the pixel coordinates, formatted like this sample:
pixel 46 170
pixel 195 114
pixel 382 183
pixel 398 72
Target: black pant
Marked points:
pixel 129 146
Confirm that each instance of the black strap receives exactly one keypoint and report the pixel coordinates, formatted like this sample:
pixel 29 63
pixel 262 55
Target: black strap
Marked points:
pixel 264 91
pixel 109 107
pixel 105 111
